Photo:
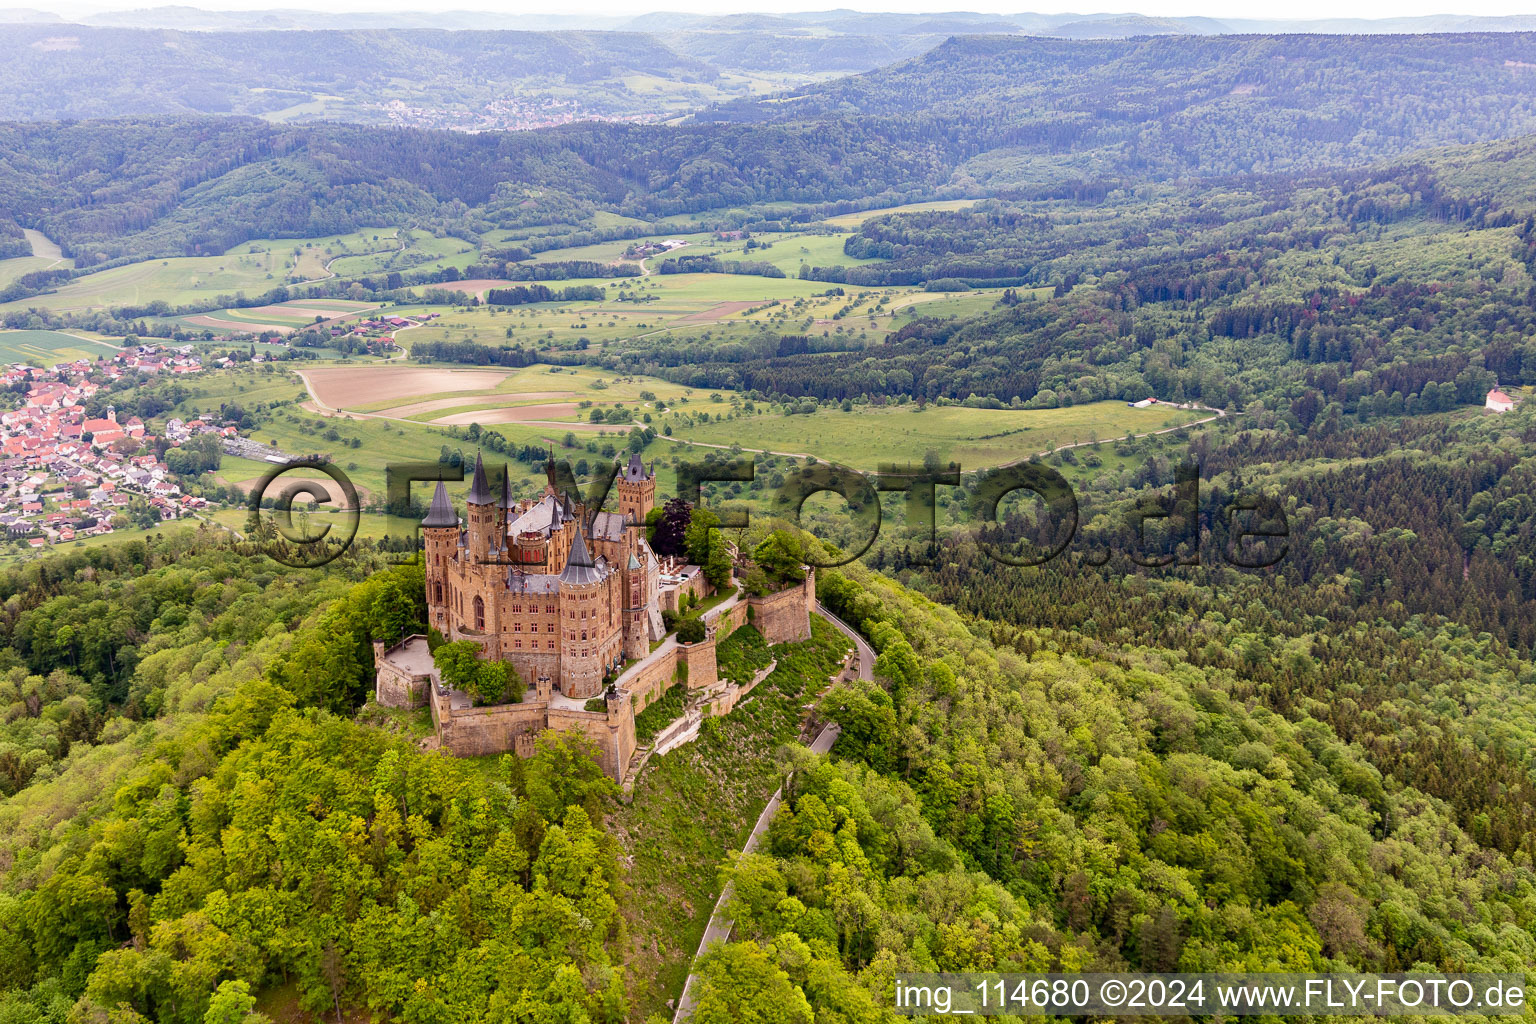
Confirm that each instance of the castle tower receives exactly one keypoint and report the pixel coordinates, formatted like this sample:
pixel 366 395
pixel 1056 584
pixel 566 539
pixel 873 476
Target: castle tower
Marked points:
pixel 637 490
pixel 637 640
pixel 440 533
pixel 482 515
pixel 581 607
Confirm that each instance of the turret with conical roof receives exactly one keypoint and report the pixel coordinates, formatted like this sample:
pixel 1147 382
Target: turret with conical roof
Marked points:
pixel 441 513
pixel 481 511
pixel 586 621
pixel 479 488
pixel 440 538
pixel 505 509
pixel 579 570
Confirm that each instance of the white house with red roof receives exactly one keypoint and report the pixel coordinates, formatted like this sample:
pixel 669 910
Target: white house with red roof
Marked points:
pixel 1498 401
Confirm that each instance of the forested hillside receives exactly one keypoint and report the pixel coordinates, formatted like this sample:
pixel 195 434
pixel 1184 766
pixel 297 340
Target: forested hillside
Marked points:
pixel 1024 119
pixel 54 72
pixel 1022 803
pixel 112 189
pixel 1034 114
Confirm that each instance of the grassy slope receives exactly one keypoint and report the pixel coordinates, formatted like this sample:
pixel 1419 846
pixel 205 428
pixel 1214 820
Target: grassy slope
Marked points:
pixel 698 803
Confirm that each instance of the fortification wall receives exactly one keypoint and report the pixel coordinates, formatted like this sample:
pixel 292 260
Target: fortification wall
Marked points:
pixel 785 616
pixel 648 681
pixel 727 621
pixel 395 685
pixel 472 732
pixel 700 661
pixel 615 743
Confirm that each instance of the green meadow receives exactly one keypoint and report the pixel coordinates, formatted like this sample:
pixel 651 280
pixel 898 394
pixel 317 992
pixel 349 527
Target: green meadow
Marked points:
pixel 421 251
pixel 851 221
pixel 45 348
pixel 975 438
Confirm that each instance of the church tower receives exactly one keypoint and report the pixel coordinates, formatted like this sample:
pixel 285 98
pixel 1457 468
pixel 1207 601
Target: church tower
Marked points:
pixel 637 490
pixel 483 515
pixel 440 533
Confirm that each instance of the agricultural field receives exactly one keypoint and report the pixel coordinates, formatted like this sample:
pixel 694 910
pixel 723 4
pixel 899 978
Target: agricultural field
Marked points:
pixel 411 250
pixel 252 267
pixel 45 256
pixel 45 348
pixel 851 221
pixel 706 307
pixel 975 438
pixel 278 318
pixel 179 280
pixel 532 405
pixel 310 259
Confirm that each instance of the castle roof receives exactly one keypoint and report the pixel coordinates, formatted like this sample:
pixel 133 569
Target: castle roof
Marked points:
pixel 532 583
pixel 608 526
pixel 479 490
pixel 579 567
pixel 544 517
pixel 635 472
pixel 441 513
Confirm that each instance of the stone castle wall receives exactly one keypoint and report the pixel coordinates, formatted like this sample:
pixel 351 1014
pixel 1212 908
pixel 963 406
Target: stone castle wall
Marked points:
pixel 785 617
pixel 515 728
pixel 396 686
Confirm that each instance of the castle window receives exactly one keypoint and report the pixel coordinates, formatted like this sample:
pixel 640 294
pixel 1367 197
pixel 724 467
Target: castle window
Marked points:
pixel 517 627
pixel 518 643
pixel 583 634
pixel 479 612
pixel 437 592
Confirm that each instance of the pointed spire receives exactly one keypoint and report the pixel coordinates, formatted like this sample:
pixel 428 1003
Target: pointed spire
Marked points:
pixel 441 513
pixel 579 567
pixel 479 490
pixel 506 488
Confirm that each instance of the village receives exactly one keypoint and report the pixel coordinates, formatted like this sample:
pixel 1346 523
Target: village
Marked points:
pixel 65 476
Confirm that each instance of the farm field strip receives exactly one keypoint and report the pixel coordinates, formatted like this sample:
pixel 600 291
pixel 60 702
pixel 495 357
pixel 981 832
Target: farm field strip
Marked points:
pixel 47 348
pixel 975 438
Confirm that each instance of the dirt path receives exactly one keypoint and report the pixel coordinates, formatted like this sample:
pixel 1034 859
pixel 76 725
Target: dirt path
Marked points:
pixel 1219 414
pixel 44 248
pixel 329 273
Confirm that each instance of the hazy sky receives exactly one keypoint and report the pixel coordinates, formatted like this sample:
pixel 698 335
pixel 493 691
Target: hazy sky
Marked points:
pixel 1209 8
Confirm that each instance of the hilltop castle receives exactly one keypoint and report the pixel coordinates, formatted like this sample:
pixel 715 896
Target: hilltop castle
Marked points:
pixel 563 604
pixel 573 602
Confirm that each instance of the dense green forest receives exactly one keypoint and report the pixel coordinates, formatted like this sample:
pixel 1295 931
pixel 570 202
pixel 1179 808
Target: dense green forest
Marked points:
pixel 111 189
pixel 1034 115
pixel 1015 802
